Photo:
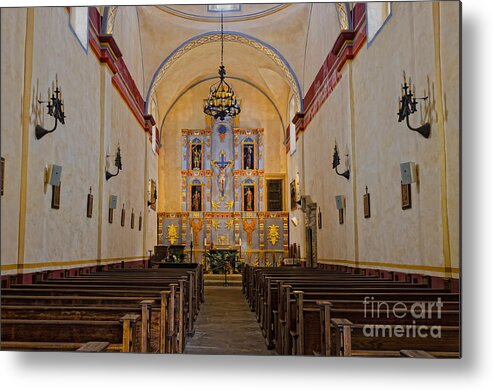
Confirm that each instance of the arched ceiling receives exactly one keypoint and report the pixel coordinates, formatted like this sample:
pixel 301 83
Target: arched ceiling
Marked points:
pixel 264 47
pixel 242 62
pixel 281 29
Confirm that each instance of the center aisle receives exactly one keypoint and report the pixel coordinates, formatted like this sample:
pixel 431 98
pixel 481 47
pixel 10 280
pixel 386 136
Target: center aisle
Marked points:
pixel 225 325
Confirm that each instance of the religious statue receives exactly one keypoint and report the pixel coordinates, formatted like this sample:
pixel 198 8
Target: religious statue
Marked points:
pixel 249 199
pixel 249 157
pixel 196 201
pixel 196 157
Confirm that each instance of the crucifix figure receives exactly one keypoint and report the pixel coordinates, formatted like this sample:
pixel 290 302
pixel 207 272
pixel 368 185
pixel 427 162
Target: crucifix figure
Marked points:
pixel 222 165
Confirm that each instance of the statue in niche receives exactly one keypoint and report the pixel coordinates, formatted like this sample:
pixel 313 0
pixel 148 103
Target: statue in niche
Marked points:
pixel 248 198
pixel 196 198
pixel 248 157
pixel 196 156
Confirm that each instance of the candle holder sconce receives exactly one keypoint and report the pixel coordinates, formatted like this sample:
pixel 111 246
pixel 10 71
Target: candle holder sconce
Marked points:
pixel 55 109
pixel 408 105
pixel 336 161
pixel 118 164
pixel 154 198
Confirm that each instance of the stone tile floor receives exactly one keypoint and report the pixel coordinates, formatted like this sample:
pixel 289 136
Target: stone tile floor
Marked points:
pixel 226 326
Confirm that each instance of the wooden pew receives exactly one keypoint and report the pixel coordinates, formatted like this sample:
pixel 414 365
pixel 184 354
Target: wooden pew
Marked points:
pixel 163 320
pixel 308 321
pixel 269 303
pixel 120 334
pixel 176 315
pixel 283 311
pixel 351 341
pixel 187 308
pixel 268 313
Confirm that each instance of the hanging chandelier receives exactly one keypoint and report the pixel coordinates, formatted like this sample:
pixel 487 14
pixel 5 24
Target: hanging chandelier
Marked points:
pixel 222 100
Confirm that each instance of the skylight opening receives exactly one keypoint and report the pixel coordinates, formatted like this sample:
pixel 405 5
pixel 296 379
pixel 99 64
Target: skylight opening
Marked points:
pixel 224 7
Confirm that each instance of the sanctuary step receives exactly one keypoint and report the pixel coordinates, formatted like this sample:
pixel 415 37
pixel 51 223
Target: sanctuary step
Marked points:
pixel 218 280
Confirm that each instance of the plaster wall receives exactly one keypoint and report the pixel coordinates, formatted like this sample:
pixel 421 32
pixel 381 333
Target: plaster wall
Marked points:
pixel 96 119
pixel 63 234
pixel 323 29
pixel 126 32
pixel 450 57
pixel 361 114
pixel 13 35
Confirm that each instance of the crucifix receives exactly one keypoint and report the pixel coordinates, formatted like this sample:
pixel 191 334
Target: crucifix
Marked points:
pixel 222 165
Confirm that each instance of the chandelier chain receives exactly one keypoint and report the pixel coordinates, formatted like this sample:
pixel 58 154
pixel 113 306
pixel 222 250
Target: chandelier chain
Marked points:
pixel 222 101
pixel 222 40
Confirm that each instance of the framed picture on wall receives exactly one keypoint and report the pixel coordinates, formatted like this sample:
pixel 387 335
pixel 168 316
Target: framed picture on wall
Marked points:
pixel 2 172
pixel 55 196
pixel 406 196
pixel 132 219
pixel 341 216
pixel 110 215
pixel 122 222
pixel 90 201
pixel 366 205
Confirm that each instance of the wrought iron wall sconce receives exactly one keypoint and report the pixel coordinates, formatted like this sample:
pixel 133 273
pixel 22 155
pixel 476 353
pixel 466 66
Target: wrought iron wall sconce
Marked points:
pixel 408 105
pixel 118 164
pixel 55 109
pixel 336 161
pixel 153 195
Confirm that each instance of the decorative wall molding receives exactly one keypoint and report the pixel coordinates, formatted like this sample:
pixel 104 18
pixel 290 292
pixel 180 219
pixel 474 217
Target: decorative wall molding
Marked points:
pixel 229 36
pixel 107 52
pixel 345 48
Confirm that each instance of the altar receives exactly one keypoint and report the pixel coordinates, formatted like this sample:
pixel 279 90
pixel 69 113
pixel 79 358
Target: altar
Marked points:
pixel 223 197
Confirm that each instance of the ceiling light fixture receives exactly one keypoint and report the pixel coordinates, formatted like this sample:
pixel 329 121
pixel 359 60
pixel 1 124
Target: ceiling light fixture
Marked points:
pixel 222 100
